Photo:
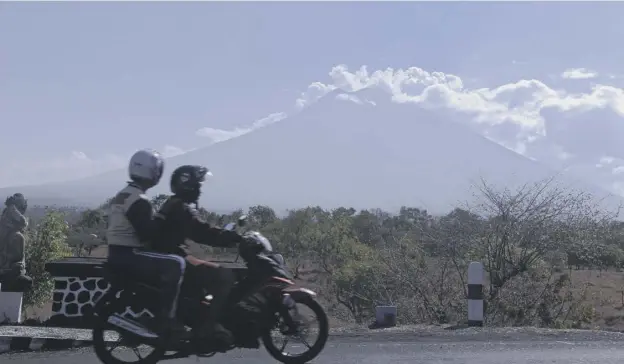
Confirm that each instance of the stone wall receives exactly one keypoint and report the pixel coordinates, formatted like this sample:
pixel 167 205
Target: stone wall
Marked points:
pixel 75 297
pixel 78 283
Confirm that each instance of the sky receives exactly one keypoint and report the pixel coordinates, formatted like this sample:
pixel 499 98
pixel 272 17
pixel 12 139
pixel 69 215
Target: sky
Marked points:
pixel 83 85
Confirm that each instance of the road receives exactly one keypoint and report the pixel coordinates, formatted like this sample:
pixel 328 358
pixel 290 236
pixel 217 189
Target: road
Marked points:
pixel 456 349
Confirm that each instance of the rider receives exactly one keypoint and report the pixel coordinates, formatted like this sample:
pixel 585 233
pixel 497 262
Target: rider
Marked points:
pixel 180 221
pixel 131 229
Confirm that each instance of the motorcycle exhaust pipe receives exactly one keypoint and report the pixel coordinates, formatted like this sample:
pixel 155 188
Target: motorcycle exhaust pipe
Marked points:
pixel 131 326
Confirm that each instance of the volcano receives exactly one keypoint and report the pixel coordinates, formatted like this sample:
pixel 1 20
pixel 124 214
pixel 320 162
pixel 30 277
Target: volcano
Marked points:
pixel 338 152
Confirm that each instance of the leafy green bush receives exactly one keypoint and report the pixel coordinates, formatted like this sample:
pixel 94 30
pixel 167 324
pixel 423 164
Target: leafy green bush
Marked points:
pixel 45 242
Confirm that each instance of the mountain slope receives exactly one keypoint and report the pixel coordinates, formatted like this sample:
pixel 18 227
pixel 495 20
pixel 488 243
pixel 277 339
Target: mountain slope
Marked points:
pixel 339 153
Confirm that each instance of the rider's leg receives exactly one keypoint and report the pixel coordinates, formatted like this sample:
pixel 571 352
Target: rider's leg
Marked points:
pixel 219 281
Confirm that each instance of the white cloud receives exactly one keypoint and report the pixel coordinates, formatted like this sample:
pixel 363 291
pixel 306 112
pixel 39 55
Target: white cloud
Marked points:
pixel 172 151
pixel 518 106
pixel 618 187
pixel 347 97
pixel 79 155
pixel 605 161
pixel 313 93
pixel 578 74
pixel 354 99
pixel 220 135
pixel 520 103
pixel 562 154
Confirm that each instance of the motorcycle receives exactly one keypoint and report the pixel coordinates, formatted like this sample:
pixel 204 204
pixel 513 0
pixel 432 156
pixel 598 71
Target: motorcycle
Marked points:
pixel 264 299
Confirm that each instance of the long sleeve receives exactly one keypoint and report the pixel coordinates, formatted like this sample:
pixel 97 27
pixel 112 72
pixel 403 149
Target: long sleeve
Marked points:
pixel 202 232
pixel 141 216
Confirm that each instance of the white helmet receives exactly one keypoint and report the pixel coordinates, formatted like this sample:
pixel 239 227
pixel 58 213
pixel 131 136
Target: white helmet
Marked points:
pixel 146 167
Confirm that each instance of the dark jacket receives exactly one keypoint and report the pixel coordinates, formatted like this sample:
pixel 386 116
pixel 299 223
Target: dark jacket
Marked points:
pixel 178 221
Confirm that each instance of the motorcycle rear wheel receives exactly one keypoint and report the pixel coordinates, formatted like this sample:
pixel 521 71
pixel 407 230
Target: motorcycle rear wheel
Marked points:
pixel 100 345
pixel 313 351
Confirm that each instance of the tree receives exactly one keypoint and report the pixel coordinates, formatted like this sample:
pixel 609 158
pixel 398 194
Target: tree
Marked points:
pixel 82 241
pixel 298 233
pixel 526 225
pixel 91 218
pixel 46 242
pixel 261 216
pixel 356 287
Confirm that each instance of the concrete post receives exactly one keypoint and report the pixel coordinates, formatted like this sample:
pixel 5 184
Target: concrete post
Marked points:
pixel 10 306
pixel 475 294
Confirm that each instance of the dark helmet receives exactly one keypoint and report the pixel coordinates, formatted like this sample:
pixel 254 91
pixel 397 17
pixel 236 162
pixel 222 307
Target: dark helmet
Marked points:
pixel 186 182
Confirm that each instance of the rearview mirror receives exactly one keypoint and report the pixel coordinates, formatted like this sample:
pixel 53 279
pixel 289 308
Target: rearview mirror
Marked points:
pixel 229 226
pixel 242 220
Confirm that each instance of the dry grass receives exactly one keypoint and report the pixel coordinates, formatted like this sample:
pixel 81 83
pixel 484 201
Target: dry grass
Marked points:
pixel 605 292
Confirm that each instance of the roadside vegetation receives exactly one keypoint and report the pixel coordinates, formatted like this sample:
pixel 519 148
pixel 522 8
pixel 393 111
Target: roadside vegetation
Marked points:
pixel 553 257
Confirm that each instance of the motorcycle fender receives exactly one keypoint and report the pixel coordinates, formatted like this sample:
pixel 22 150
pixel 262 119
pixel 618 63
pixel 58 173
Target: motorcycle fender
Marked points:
pixel 300 293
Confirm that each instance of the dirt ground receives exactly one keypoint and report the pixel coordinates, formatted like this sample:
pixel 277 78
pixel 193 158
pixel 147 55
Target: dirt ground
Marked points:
pixel 605 292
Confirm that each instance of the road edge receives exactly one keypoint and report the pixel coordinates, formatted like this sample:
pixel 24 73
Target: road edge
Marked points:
pixel 19 342
pixel 11 344
pixel 19 339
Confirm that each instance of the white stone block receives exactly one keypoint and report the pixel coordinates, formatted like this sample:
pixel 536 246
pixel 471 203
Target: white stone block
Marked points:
pixel 11 307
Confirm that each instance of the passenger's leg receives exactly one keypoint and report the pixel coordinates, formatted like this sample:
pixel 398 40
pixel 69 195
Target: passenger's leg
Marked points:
pixel 170 269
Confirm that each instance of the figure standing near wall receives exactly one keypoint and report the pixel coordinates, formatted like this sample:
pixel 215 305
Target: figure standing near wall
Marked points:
pixel 13 224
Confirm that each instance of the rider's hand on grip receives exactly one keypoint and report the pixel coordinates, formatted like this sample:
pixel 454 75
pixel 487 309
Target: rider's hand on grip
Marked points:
pixel 231 237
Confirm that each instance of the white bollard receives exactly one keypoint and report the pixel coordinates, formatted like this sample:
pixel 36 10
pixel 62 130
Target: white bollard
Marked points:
pixel 385 316
pixel 476 277
pixel 10 307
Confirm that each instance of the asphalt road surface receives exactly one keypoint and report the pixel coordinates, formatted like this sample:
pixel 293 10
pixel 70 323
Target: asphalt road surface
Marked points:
pixel 465 349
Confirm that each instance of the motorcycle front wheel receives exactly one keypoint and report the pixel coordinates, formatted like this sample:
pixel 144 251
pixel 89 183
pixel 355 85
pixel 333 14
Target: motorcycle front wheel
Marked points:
pixel 313 350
